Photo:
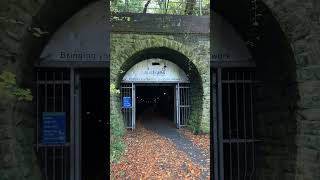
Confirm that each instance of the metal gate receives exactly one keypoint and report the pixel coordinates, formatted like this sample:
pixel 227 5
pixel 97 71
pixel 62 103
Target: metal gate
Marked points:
pixel 235 137
pixel 128 104
pixel 183 104
pixel 182 108
pixel 53 96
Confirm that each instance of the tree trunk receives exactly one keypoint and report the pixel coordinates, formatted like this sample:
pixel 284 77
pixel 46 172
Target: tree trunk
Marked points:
pixel 190 4
pixel 146 6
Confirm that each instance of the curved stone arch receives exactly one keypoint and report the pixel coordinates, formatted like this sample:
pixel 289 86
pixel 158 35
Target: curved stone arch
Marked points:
pixel 21 49
pixel 119 58
pixel 301 33
pixel 289 22
pixel 40 15
pixel 14 53
pixel 294 21
pixel 154 42
pixel 298 29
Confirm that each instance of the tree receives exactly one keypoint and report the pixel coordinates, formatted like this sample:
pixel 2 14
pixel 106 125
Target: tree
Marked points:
pixel 178 7
pixel 135 6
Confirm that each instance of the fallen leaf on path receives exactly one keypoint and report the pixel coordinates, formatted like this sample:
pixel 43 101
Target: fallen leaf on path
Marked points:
pixel 151 156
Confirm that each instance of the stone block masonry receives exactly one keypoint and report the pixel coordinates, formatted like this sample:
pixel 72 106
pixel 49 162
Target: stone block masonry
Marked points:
pixel 124 48
pixel 299 23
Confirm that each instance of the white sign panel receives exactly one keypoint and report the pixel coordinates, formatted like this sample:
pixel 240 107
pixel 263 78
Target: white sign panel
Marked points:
pixel 155 70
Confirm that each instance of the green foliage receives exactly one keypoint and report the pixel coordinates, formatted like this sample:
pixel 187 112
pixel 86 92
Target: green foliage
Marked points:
pixel 120 6
pixel 194 127
pixel 113 89
pixel 194 124
pixel 116 126
pixel 23 94
pixel 117 149
pixel 9 88
pixel 206 129
pixel 117 146
pixel 178 7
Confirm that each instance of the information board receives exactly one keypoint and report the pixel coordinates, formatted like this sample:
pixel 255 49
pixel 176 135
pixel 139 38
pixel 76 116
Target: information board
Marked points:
pixel 54 128
pixel 126 102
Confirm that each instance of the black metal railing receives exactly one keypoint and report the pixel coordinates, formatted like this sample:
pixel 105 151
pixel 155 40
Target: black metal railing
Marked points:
pixel 239 141
pixel 52 95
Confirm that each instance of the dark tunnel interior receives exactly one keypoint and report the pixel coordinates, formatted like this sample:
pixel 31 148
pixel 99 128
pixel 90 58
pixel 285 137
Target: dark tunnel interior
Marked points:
pixel 94 128
pixel 155 99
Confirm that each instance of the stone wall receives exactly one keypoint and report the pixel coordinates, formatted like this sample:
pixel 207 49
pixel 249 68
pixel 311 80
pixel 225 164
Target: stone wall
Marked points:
pixel 298 19
pixel 126 46
pixel 287 107
pixel 20 48
pixel 17 157
pixel 297 116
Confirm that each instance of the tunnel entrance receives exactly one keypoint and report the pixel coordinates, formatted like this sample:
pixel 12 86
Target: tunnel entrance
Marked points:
pixel 71 116
pixel 155 103
pixel 171 101
pixel 93 127
pixel 155 88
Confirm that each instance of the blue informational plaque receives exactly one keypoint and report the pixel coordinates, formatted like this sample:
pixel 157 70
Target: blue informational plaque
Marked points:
pixel 54 128
pixel 126 102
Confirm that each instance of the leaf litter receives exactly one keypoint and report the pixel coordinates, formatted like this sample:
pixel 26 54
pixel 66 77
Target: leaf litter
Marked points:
pixel 151 156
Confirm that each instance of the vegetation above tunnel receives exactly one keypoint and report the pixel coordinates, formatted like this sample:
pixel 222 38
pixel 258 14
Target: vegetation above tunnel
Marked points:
pixel 181 7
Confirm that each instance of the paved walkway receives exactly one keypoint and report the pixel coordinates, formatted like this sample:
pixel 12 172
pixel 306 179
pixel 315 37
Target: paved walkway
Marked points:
pixel 164 127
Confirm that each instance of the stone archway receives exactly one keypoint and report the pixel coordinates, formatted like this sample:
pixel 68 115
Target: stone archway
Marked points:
pixel 294 78
pixel 122 59
pixel 296 21
pixel 19 46
pixel 22 46
pixel 303 39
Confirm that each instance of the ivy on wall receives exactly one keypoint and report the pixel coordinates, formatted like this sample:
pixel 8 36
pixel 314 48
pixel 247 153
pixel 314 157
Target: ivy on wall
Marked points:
pixel 9 88
pixel 117 146
pixel 12 94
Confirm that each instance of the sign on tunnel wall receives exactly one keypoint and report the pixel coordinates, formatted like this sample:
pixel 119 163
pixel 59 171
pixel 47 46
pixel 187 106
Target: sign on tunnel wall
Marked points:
pixel 155 70
pixel 54 129
pixel 126 102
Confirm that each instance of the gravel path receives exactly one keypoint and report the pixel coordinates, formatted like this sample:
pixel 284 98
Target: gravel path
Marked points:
pixel 165 128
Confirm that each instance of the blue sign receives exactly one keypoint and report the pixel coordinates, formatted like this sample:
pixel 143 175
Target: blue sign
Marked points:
pixel 126 102
pixel 54 128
